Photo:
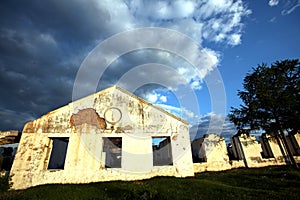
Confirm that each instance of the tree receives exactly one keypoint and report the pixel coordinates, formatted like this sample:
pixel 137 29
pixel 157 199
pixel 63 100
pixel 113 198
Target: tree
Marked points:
pixel 271 100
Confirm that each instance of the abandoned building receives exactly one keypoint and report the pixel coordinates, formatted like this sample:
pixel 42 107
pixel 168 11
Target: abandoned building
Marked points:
pixel 115 135
pixel 109 135
pixel 211 154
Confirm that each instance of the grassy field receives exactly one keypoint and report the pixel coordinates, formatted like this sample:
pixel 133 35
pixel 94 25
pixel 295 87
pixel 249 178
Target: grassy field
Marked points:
pixel 263 183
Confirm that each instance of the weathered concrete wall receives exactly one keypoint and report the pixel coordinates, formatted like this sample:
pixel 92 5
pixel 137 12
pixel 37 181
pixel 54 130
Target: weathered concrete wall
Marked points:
pixel 295 145
pixel 8 137
pixel 252 152
pixel 212 153
pixel 297 137
pixel 110 113
pixel 7 154
pixel 8 145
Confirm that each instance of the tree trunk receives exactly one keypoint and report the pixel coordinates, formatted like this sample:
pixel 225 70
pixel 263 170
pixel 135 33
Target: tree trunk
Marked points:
pixel 286 147
pixel 282 149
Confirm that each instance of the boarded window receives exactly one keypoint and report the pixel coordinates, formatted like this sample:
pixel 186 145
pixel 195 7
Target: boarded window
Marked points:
pixel 58 153
pixel 162 152
pixel 112 146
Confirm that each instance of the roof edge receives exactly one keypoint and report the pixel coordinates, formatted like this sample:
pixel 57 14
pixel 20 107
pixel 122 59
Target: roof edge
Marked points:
pixel 150 104
pixel 115 87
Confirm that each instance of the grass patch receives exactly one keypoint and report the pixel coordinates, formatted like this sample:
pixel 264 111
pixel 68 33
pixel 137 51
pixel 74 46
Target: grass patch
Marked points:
pixel 4 186
pixel 260 183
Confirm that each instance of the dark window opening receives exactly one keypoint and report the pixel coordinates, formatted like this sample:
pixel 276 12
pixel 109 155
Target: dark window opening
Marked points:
pixel 234 149
pixel 162 152
pixel 230 152
pixel 293 145
pixel 7 155
pixel 198 153
pixel 266 148
pixel 58 153
pixel 112 146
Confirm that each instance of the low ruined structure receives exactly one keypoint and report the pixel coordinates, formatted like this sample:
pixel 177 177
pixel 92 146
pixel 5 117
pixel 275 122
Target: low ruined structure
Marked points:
pixel 109 135
pixel 8 137
pixel 253 154
pixel 8 147
pixel 293 141
pixel 210 152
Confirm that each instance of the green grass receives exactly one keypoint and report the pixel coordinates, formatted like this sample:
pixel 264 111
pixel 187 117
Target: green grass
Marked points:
pixel 263 183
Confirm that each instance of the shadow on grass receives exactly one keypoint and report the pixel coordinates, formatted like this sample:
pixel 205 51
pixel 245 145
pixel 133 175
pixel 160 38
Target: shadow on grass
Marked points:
pixel 261 183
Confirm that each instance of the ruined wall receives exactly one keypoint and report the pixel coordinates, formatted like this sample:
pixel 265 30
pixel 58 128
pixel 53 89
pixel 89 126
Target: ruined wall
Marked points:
pixel 294 145
pixel 8 145
pixel 112 113
pixel 297 137
pixel 252 152
pixel 8 137
pixel 212 153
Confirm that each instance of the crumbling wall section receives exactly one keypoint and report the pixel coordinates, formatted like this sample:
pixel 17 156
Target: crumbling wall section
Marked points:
pixel 247 153
pixel 213 149
pixel 252 152
pixel 8 144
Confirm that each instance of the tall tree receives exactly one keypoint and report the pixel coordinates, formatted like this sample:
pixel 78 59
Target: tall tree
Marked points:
pixel 271 100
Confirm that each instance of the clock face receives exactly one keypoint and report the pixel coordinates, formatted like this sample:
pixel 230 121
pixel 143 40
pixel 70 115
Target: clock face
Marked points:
pixel 113 115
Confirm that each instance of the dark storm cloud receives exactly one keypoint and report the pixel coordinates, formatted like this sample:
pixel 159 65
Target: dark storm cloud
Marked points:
pixel 41 45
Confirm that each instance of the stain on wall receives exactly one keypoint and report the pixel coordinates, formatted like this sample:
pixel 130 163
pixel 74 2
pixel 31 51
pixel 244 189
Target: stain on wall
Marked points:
pixel 88 116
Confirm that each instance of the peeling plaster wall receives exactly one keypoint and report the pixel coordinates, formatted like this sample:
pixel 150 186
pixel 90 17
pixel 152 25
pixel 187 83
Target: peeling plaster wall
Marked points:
pixel 297 138
pixel 8 137
pixel 116 113
pixel 252 152
pixel 213 148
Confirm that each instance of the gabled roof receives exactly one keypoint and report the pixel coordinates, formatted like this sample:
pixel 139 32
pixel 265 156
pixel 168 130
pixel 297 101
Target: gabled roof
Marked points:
pixel 115 87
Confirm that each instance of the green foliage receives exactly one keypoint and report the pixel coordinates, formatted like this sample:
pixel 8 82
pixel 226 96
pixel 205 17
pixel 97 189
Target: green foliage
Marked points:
pixel 271 98
pixel 263 183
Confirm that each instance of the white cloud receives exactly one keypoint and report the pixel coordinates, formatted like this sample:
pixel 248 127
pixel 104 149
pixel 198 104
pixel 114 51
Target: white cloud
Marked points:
pixel 155 97
pixel 182 112
pixel 163 10
pixel 218 21
pixel 163 99
pixel 152 98
pixel 222 21
pixel 273 2
pixel 196 84
pixel 213 20
pixel 235 39
pixel 290 6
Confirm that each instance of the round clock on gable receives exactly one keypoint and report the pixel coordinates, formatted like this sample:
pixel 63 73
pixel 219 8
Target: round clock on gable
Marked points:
pixel 113 115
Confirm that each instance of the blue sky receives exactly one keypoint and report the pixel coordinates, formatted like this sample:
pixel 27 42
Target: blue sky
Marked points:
pixel 43 46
